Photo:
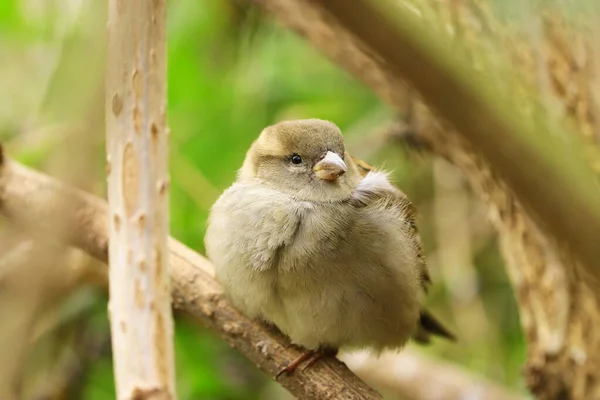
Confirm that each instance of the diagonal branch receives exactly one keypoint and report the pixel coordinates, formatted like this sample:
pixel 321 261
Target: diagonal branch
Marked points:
pixel 31 198
pixel 565 202
pixel 24 196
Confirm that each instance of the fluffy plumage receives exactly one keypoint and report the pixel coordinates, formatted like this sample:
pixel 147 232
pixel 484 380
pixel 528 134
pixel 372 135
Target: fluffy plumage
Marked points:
pixel 325 248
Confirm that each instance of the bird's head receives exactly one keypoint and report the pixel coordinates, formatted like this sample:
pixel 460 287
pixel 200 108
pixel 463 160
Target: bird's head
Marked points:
pixel 305 158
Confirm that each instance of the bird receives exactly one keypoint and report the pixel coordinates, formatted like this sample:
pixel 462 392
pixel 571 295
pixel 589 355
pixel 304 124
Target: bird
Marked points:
pixel 322 245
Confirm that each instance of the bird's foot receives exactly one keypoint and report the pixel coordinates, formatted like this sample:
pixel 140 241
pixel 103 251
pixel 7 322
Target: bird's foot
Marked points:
pixel 291 367
pixel 313 359
pixel 311 355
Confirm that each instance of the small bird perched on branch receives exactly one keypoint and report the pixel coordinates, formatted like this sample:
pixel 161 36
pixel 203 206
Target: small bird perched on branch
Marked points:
pixel 321 245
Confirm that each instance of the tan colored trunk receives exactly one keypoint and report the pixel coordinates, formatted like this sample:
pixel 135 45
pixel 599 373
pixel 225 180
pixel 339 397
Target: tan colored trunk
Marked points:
pixel 138 185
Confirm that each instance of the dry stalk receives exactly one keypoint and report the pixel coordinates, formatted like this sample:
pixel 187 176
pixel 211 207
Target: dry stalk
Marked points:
pixel 138 185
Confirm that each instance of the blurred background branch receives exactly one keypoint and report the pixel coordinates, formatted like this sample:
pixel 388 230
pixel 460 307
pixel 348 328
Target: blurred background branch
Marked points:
pixel 414 377
pixel 566 203
pixel 555 299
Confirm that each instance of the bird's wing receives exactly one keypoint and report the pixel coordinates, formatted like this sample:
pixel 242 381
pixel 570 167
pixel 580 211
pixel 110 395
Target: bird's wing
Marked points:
pixel 410 212
pixel 428 324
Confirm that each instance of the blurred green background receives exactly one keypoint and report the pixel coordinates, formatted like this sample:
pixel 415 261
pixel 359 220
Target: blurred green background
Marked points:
pixel 232 71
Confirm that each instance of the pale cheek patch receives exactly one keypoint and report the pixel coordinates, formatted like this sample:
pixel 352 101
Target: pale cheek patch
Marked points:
pixel 375 181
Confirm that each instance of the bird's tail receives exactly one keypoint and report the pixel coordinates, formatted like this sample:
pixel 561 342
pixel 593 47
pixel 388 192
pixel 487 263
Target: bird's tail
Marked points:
pixel 430 326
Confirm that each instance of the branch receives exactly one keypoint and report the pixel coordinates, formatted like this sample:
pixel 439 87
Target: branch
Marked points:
pixel 416 377
pixel 565 202
pixel 141 319
pixel 30 198
pixel 23 198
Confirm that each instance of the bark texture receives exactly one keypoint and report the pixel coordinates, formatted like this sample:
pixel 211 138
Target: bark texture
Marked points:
pixel 558 307
pixel 138 186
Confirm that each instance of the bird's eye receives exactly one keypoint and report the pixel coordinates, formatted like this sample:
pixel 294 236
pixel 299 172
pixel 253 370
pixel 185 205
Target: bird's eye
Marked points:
pixel 296 159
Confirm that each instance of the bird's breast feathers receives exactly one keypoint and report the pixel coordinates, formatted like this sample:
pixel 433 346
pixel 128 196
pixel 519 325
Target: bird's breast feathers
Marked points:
pixel 257 225
pixel 279 258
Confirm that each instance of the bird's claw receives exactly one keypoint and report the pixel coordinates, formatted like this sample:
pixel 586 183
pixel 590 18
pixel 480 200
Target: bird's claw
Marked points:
pixel 291 367
pixel 311 355
pixel 313 359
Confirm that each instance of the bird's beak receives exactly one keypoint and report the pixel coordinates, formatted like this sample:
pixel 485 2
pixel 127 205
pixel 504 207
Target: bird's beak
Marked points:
pixel 330 167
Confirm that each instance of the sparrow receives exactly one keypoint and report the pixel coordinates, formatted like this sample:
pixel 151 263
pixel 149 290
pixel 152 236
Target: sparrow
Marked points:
pixel 321 245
